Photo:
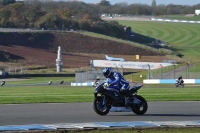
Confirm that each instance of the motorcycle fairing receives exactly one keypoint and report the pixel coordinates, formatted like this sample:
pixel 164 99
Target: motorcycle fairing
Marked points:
pixel 134 89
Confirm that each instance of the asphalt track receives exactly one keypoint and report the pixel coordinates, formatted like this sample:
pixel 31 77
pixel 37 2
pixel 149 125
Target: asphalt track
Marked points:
pixel 53 113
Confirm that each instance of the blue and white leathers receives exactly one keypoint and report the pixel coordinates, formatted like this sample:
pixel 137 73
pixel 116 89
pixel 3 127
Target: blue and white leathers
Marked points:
pixel 116 82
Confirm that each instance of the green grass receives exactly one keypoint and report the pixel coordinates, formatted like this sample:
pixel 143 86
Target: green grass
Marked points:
pixel 118 40
pixel 18 93
pixel 195 68
pixel 40 80
pixel 170 94
pixel 45 94
pixel 137 77
pixel 61 94
pixel 183 37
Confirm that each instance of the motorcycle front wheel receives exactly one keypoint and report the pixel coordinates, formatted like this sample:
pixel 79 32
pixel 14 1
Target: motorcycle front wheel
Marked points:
pixel 140 107
pixel 100 107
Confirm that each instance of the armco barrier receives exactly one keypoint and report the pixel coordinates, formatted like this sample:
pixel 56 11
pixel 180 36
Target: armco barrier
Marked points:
pixel 170 81
pixel 149 81
pixel 36 75
pixel 83 84
pixel 180 21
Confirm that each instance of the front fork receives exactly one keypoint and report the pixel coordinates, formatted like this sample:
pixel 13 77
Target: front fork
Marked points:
pixel 103 100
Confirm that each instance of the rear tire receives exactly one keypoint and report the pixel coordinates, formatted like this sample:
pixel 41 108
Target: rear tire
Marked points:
pixel 99 108
pixel 140 108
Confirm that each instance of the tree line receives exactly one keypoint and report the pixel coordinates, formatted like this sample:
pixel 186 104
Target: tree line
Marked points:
pixel 78 15
pixel 104 6
pixel 53 15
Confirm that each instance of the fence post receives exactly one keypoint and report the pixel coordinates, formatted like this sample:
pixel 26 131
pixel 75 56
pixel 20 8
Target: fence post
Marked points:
pixel 132 77
pixel 21 69
pixel 26 70
pixel 122 70
pixel 174 70
pixel 195 71
pixel 117 68
pixel 9 69
pixel 149 72
pixel 187 70
pixel 161 71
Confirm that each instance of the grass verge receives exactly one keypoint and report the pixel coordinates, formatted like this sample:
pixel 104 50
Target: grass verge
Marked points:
pixel 20 94
pixel 182 37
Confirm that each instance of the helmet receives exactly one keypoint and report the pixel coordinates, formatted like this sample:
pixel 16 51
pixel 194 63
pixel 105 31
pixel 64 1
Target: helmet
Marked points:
pixel 107 71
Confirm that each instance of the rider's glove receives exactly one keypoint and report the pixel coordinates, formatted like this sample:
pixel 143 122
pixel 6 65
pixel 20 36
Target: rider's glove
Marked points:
pixel 106 85
pixel 121 90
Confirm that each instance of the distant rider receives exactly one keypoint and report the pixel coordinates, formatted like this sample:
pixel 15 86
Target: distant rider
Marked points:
pixel 116 82
pixel 180 80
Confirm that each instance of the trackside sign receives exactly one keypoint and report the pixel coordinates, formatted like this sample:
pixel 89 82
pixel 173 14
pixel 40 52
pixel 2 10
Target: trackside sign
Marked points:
pixel 130 65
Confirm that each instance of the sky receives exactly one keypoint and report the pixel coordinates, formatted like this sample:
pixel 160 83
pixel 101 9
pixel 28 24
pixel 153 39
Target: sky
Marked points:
pixel 158 2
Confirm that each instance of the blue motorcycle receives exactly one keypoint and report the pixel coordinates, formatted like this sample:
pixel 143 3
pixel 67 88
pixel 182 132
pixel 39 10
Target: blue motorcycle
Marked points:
pixel 104 99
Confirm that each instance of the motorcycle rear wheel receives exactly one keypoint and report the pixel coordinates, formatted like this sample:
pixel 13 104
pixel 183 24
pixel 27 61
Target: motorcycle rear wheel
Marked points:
pixel 99 107
pixel 140 108
pixel 176 84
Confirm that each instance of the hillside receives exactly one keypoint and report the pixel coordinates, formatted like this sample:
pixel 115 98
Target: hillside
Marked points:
pixel 183 38
pixel 40 48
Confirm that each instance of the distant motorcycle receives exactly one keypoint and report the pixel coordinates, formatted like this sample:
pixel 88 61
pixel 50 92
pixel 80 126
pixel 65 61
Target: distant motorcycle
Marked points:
pixel 179 83
pixel 104 99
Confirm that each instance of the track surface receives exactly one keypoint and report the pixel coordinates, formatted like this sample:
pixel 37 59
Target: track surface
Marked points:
pixel 23 114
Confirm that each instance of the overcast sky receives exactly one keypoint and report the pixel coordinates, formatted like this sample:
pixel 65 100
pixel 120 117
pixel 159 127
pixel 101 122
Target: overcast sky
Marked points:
pixel 158 2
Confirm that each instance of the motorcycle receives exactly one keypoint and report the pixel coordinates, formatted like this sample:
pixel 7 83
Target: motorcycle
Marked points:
pixel 104 99
pixel 179 83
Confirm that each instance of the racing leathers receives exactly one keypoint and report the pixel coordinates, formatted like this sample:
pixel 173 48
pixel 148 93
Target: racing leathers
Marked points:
pixel 116 82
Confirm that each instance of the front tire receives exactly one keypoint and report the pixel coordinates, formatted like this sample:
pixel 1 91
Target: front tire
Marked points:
pixel 176 85
pixel 100 107
pixel 141 107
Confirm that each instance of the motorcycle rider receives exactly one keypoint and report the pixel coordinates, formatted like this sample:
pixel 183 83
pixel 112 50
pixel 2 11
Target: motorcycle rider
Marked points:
pixel 180 80
pixel 116 82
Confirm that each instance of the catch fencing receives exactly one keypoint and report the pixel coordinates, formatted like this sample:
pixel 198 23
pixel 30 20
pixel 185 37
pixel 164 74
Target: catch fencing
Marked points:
pixel 91 75
pixel 15 70
pixel 187 71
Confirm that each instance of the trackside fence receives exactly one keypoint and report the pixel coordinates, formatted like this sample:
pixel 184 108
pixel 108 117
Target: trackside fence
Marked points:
pixel 91 75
